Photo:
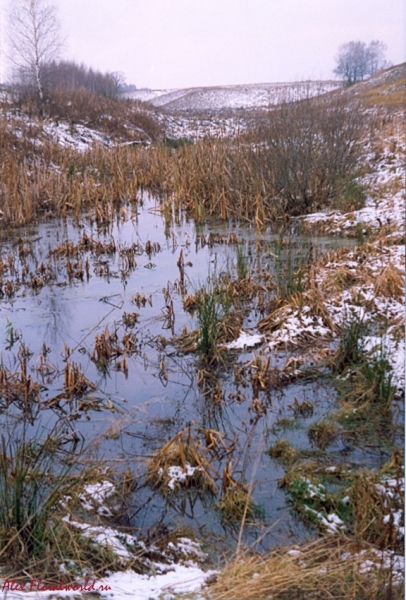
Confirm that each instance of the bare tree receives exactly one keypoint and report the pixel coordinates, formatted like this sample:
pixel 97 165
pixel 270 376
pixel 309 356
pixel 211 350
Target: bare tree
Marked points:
pixel 356 60
pixel 118 79
pixel 376 57
pixel 34 41
pixel 68 75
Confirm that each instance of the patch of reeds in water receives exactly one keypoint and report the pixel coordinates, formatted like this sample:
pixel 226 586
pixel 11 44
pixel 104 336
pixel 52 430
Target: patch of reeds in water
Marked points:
pixel 39 476
pixel 235 504
pixel 268 174
pixel 182 462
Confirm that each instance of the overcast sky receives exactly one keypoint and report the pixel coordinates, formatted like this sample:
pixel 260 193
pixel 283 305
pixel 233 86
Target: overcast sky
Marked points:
pixel 184 43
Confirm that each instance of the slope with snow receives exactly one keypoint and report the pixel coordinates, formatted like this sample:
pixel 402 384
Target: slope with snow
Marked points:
pixel 231 97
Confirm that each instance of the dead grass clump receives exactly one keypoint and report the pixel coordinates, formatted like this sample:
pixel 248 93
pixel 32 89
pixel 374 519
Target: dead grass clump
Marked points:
pixel 371 381
pixel 140 300
pixel 350 351
pixel 18 388
pixel 377 504
pixel 340 278
pixel 368 507
pixel 303 409
pixel 39 476
pixel 181 463
pixel 322 434
pixel 218 323
pixel 307 305
pixel 390 283
pixel 363 424
pixel 246 288
pixel 316 300
pixel 261 375
pixel 275 318
pixel 187 341
pixel 284 452
pixel 330 567
pixel 75 382
pixel 236 502
pixel 229 327
pixel 130 319
pixel 106 348
pixel 189 302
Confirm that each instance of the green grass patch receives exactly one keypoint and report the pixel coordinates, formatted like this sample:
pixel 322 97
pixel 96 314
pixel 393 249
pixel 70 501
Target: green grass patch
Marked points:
pixel 285 424
pixel 311 500
pixel 176 143
pixel 242 267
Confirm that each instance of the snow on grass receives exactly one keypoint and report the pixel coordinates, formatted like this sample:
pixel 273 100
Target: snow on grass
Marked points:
pixel 187 106
pixel 197 128
pixel 121 544
pixel 178 474
pixel 378 559
pixel 232 96
pixel 131 585
pixel 125 585
pixel 359 302
pixel 187 546
pixel 177 572
pixel 100 491
pixel 392 349
pixel 386 203
pixel 362 299
pixel 296 328
pixel 389 211
pixel 173 570
pixel 245 340
pixel 331 522
pixel 79 137
pixel 392 491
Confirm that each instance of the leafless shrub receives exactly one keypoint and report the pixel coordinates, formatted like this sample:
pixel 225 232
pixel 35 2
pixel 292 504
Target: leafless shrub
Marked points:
pixel 312 150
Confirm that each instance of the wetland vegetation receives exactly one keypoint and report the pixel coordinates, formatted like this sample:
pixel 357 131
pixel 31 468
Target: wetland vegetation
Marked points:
pixel 205 338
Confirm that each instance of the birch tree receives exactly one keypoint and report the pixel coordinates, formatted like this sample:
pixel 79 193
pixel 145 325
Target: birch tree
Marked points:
pixel 34 41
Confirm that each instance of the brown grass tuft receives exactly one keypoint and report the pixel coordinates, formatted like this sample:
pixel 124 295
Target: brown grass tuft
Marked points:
pixel 184 452
pixel 330 567
pixel 390 283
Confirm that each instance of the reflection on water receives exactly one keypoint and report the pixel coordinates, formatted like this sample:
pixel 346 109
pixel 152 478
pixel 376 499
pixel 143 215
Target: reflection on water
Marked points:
pixel 69 281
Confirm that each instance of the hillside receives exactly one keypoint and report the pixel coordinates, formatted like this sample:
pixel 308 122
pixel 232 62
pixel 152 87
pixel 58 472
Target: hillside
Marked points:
pixel 387 88
pixel 230 97
pixel 224 110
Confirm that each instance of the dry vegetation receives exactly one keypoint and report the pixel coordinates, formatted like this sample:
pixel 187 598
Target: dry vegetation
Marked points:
pixel 330 567
pixel 308 156
pixel 304 159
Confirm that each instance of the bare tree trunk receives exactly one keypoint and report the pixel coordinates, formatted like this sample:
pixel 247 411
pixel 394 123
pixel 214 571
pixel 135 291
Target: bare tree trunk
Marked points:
pixel 34 43
pixel 37 66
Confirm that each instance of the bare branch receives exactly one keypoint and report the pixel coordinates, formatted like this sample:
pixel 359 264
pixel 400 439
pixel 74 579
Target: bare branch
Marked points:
pixel 34 40
pixel 356 60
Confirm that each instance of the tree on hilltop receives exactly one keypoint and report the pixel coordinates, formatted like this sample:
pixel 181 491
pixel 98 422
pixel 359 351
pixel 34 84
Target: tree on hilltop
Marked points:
pixel 356 60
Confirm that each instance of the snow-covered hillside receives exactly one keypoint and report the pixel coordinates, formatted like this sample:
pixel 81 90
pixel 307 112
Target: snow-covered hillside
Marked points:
pixel 230 97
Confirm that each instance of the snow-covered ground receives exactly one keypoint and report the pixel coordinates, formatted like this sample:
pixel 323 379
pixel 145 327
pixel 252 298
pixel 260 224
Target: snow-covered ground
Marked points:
pixel 365 298
pixel 177 570
pixel 231 97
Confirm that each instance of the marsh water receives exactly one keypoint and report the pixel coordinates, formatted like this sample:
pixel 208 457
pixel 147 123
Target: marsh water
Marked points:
pixel 58 301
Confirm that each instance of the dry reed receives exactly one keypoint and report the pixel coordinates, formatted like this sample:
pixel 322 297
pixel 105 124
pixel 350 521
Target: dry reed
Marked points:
pixel 330 567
